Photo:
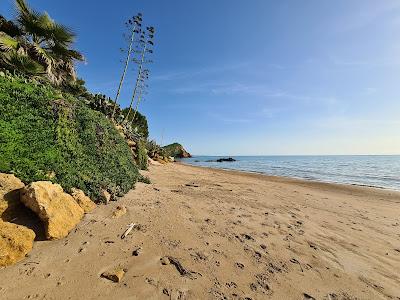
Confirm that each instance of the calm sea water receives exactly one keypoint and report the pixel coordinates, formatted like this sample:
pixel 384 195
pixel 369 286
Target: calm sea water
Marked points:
pixel 377 171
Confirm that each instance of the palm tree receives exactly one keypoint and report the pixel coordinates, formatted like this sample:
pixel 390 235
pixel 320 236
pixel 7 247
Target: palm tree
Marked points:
pixel 41 41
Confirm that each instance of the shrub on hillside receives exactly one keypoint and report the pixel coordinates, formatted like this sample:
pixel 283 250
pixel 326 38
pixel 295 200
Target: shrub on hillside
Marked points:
pixel 142 160
pixel 44 136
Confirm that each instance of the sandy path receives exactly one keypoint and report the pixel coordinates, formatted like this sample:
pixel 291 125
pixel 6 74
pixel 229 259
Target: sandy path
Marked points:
pixel 243 236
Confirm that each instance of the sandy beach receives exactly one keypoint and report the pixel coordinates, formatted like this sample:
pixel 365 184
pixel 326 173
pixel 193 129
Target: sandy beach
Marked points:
pixel 223 235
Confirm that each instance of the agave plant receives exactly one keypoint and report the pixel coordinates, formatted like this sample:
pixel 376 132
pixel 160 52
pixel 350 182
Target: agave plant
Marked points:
pixel 146 44
pixel 37 38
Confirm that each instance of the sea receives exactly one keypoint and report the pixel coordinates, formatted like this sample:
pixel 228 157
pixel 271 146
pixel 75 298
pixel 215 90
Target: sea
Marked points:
pixel 381 171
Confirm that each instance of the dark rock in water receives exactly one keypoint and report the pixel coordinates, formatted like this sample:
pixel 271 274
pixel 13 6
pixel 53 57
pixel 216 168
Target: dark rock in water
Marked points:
pixel 229 159
pixel 226 159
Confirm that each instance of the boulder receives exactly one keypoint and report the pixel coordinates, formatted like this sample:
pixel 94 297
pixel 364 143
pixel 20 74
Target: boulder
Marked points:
pixel 153 162
pixel 10 187
pixel 115 275
pixel 119 212
pixel 161 161
pixel 15 242
pixel 105 195
pixel 83 201
pixel 131 143
pixel 58 210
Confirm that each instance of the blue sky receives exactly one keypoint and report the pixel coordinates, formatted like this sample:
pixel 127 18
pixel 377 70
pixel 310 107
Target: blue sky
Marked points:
pixel 255 77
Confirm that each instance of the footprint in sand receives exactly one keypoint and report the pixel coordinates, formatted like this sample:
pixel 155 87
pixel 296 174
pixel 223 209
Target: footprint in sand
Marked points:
pixel 239 265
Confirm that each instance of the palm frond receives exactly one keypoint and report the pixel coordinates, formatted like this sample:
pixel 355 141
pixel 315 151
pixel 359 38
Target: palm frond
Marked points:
pixel 7 43
pixel 61 34
pixel 22 7
pixel 9 27
pixel 67 54
pixel 22 63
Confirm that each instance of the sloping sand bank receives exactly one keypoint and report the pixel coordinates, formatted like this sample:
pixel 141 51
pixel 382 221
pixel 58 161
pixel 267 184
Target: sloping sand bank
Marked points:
pixel 228 235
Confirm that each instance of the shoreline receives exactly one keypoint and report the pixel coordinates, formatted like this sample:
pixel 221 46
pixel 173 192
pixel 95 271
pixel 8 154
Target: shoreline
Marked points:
pixel 207 233
pixel 295 179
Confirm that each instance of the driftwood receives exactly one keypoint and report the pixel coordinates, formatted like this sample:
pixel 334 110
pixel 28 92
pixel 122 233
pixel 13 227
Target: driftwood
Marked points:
pixel 128 230
pixel 181 269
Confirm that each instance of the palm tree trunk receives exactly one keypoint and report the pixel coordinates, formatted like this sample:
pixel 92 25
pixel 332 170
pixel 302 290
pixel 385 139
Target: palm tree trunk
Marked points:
pixel 124 72
pixel 137 81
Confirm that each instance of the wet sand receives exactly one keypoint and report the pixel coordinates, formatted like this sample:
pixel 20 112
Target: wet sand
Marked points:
pixel 228 235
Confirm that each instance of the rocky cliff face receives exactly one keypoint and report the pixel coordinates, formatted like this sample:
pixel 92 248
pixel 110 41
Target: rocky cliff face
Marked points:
pixel 176 150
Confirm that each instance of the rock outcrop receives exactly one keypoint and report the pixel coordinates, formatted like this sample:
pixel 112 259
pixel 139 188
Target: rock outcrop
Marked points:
pixel 15 242
pixel 176 150
pixel 83 201
pixel 58 210
pixel 10 187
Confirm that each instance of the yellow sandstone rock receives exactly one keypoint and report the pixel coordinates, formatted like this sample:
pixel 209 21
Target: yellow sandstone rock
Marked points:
pixel 83 201
pixel 131 143
pixel 115 275
pixel 15 242
pixel 58 210
pixel 10 187
pixel 119 212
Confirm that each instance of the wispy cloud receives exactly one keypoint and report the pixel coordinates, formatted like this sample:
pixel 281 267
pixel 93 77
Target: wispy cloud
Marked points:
pixel 254 90
pixel 229 119
pixel 187 74
pixel 343 122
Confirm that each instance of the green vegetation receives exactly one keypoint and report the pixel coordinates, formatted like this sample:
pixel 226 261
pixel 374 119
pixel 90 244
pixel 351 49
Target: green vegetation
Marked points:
pixel 142 156
pixel 47 136
pixel 36 45
pixel 154 150
pixel 144 179
pixel 139 123
pixel 176 150
pixel 52 127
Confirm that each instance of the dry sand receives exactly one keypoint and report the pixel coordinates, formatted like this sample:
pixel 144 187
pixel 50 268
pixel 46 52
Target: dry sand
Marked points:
pixel 229 235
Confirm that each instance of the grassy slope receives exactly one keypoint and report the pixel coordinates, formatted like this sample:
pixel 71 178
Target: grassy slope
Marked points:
pixel 47 136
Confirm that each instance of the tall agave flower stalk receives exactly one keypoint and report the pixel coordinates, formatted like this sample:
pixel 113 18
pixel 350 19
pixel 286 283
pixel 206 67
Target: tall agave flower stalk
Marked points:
pixel 147 42
pixel 143 86
pixel 134 24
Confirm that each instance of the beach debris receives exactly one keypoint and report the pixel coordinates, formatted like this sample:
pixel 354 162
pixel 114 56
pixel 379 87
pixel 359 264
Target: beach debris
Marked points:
pixel 15 243
pixel 83 201
pixel 58 210
pixel 128 230
pixel 179 267
pixel 192 185
pixel 176 191
pixel 295 261
pixel 164 260
pixel 114 275
pixel 137 251
pixel 119 212
pixel 308 297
